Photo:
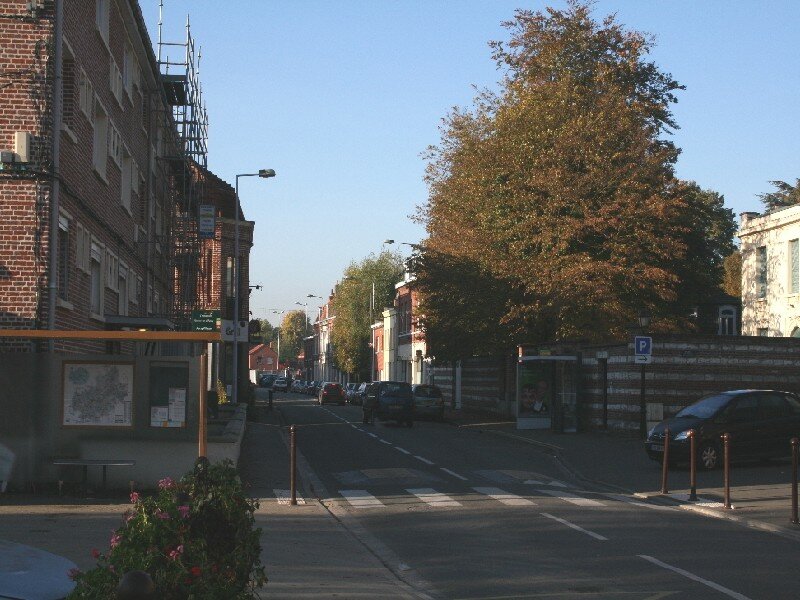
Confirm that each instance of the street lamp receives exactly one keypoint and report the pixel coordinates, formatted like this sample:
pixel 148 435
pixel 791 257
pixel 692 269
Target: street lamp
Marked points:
pixel 263 173
pixel 278 312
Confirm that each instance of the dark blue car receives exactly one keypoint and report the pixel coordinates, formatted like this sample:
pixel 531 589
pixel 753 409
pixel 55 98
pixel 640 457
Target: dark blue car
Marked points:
pixel 389 401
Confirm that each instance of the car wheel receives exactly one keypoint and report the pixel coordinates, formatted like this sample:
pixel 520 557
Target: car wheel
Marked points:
pixel 708 457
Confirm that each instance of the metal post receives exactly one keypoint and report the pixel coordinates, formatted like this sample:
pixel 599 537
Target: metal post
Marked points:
pixel 795 443
pixel 293 465
pixel 665 465
pixel 642 406
pixel 604 370
pixel 372 330
pixel 235 386
pixel 727 469
pixel 692 465
pixel 201 427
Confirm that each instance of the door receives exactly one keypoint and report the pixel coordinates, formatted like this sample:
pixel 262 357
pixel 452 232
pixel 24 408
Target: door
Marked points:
pixel 740 419
pixel 776 425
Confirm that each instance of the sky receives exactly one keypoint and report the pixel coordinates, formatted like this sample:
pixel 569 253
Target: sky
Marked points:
pixel 341 98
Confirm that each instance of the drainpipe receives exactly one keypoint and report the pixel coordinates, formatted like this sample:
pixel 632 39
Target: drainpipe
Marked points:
pixel 52 285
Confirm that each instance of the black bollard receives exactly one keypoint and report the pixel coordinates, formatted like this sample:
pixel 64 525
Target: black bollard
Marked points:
pixel 136 585
pixel 726 438
pixel 692 465
pixel 293 464
pixel 665 465
pixel 270 399
pixel 795 443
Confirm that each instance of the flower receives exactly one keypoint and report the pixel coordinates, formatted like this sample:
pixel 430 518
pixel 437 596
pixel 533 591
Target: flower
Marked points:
pixel 184 510
pixel 134 497
pixel 176 553
pixel 196 571
pixel 95 553
pixel 115 540
pixel 166 483
pixel 73 573
pixel 163 515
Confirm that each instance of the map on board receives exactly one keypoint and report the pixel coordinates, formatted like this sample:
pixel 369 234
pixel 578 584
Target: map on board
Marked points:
pixel 99 394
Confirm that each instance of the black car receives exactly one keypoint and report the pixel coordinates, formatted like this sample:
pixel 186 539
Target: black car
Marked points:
pixel 760 423
pixel 266 380
pixel 389 401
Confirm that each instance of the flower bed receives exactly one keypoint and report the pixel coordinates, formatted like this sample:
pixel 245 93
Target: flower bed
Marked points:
pixel 195 538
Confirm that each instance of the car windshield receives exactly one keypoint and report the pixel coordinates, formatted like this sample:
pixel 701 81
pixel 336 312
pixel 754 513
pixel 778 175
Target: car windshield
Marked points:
pixel 706 407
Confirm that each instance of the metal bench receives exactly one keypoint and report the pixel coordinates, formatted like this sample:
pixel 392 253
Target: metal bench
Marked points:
pixel 92 462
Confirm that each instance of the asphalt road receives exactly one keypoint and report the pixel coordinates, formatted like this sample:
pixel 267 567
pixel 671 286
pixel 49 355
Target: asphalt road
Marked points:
pixel 461 514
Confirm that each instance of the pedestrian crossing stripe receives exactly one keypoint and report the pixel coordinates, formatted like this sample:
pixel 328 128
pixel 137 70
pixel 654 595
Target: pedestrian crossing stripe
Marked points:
pixel 571 498
pixel 503 496
pixel 361 498
pixel 285 496
pixel 432 497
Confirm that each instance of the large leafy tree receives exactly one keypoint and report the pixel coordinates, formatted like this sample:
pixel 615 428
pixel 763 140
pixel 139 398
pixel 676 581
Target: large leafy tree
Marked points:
pixel 557 194
pixel 294 328
pixel 785 194
pixel 352 305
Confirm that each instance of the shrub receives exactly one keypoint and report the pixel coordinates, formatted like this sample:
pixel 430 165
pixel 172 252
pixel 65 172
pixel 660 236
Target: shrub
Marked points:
pixel 194 537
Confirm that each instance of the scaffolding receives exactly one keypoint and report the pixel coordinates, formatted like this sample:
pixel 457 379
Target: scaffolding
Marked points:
pixel 185 160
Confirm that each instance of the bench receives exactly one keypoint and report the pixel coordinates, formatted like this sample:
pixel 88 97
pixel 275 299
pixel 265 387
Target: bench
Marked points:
pixel 93 462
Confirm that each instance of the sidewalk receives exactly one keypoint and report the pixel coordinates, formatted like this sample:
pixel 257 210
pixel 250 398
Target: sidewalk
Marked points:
pixel 760 492
pixel 306 550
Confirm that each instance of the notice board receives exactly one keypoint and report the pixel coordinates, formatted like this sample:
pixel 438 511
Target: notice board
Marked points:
pixel 169 389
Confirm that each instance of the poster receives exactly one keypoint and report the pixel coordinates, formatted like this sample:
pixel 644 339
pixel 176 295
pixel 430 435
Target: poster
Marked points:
pixel 97 394
pixel 535 394
pixel 159 416
pixel 177 407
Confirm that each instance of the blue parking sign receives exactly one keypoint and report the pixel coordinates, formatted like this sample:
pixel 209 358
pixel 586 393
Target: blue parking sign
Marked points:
pixel 643 345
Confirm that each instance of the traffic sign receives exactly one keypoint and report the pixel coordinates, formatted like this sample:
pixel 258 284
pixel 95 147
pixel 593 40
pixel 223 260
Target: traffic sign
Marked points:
pixel 643 349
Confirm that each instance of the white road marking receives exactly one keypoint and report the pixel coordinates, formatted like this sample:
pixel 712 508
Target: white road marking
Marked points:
pixel 385 442
pixel 370 434
pixel 360 499
pixel 628 500
pixel 285 496
pixel 571 498
pixel 456 475
pixel 503 496
pixel 707 502
pixel 432 497
pixel 551 483
pixel 694 577
pixel 403 450
pixel 425 460
pixel 596 536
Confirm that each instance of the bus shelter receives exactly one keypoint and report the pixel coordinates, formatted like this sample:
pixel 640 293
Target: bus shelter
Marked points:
pixel 548 391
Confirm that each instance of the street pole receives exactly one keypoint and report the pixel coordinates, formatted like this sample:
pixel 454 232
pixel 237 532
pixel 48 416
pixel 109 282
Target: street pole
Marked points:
pixel 642 406
pixel 372 332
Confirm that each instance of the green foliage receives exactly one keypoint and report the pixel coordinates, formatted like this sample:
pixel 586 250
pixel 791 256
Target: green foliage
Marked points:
pixel 352 300
pixel 555 199
pixel 785 195
pixel 267 333
pixel 732 279
pixel 195 538
pixel 294 328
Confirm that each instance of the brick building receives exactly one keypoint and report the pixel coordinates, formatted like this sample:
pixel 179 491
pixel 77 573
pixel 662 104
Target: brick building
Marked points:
pixel 263 358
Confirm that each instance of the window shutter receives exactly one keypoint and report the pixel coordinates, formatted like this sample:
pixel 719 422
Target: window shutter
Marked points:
pixel 794 259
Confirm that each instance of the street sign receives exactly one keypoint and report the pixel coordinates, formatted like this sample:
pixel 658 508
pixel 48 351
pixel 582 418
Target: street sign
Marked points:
pixel 643 349
pixel 205 320
pixel 227 331
pixel 206 221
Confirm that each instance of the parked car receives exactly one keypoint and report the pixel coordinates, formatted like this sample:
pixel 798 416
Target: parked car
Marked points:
pixel 389 401
pixel 298 386
pixel 760 423
pixel 428 401
pixel 266 380
pixel 280 384
pixel 350 392
pixel 30 573
pixel 332 392
pixel 314 388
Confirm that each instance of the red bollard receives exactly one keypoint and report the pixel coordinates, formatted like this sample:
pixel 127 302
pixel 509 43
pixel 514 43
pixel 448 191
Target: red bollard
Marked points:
pixel 293 465
pixel 795 443
pixel 726 438
pixel 665 465
pixel 692 465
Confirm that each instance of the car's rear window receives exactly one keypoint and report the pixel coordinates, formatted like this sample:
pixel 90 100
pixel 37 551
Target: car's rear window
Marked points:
pixel 332 386
pixel 706 407
pixel 396 389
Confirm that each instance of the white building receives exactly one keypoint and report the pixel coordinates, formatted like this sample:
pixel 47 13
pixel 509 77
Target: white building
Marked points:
pixel 770 247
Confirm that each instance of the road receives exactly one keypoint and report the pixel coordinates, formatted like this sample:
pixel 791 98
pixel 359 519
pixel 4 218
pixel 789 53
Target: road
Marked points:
pixel 462 514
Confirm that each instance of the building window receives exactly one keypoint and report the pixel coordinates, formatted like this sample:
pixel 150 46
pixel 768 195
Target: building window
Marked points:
pixel 102 14
pixel 126 182
pixel 762 332
pixel 96 277
pixel 112 271
pixel 761 271
pixel 63 258
pixel 115 145
pixel 229 284
pixel 115 81
pixel 727 320
pixel 794 261
pixel 100 148
pixel 68 90
pixel 85 94
pixel 123 289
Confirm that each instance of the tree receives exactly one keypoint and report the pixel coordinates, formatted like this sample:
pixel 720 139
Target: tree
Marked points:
pixel 785 195
pixel 294 328
pixel 266 334
pixel 732 280
pixel 351 333
pixel 558 192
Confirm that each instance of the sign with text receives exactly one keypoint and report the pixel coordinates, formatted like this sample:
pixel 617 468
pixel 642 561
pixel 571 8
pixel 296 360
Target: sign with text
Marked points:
pixel 205 320
pixel 206 221
pixel 643 349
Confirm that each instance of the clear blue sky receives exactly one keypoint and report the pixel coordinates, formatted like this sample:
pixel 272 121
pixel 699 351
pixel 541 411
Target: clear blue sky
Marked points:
pixel 341 98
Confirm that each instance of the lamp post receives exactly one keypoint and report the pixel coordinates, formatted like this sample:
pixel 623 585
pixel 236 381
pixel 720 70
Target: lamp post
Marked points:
pixel 644 322
pixel 278 365
pixel 263 173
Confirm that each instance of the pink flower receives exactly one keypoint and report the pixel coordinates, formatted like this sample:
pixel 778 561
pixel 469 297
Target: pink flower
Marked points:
pixel 95 553
pixel 166 483
pixel 73 573
pixel 176 553
pixel 162 515
pixel 184 510
pixel 115 540
pixel 134 497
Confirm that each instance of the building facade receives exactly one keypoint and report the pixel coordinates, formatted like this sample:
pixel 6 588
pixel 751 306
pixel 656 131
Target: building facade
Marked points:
pixel 770 247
